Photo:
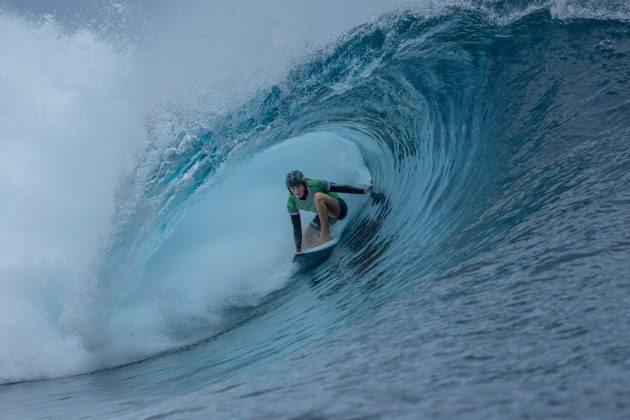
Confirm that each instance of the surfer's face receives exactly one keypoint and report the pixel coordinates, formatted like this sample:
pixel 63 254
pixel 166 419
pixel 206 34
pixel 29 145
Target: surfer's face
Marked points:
pixel 297 190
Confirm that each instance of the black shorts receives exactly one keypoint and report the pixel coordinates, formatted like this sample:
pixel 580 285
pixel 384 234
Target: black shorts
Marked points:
pixel 343 211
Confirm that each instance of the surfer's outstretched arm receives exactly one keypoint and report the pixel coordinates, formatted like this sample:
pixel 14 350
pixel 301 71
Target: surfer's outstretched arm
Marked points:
pixel 297 231
pixel 348 189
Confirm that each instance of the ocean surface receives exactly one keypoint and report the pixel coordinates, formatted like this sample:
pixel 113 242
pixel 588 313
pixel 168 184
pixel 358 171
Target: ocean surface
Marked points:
pixel 146 251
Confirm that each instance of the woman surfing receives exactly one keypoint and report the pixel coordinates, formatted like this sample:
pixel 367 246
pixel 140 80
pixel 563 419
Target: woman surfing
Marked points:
pixel 320 197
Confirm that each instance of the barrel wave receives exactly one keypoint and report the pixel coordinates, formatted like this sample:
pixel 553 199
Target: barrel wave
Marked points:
pixel 486 275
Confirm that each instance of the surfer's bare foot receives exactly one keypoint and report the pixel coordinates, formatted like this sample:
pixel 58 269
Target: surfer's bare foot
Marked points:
pixel 322 239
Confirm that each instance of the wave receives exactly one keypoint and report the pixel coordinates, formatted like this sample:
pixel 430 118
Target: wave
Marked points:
pixel 488 135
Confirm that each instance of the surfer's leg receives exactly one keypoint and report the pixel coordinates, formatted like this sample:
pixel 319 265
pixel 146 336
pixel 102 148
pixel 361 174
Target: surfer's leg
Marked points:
pixel 309 235
pixel 327 207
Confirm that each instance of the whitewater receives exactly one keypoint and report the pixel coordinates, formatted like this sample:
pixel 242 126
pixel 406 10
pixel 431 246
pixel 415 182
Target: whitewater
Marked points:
pixel 146 251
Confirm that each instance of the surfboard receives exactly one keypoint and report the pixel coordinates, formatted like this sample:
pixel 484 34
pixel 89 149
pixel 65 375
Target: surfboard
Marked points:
pixel 320 248
pixel 310 257
pixel 316 254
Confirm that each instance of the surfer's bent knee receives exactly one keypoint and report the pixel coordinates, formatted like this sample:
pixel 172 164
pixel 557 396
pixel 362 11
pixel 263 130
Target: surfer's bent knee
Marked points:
pixel 318 197
pixel 343 207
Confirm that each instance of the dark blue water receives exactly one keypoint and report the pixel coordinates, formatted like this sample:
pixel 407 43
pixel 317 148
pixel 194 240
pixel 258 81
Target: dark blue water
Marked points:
pixel 489 277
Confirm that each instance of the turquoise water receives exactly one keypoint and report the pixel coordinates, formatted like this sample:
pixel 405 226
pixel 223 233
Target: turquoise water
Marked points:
pixel 488 277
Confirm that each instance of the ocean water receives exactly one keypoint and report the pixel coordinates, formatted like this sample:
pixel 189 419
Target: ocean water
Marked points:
pixel 145 248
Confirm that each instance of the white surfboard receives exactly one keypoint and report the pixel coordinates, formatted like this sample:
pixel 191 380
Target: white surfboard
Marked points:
pixel 319 252
pixel 322 247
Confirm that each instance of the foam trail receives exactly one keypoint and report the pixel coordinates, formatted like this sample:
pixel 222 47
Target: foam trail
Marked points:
pixel 64 135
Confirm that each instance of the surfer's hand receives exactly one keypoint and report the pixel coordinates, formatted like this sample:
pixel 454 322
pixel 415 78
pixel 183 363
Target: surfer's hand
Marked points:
pixel 367 189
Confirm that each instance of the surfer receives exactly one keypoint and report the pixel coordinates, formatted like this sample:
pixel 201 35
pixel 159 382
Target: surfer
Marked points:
pixel 317 196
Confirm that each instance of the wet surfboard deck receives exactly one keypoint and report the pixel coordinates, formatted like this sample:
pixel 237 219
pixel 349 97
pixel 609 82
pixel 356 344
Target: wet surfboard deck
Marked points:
pixel 311 257
pixel 315 255
pixel 317 249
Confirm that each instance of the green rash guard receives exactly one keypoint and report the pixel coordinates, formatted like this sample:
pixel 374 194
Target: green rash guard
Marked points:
pixel 294 205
